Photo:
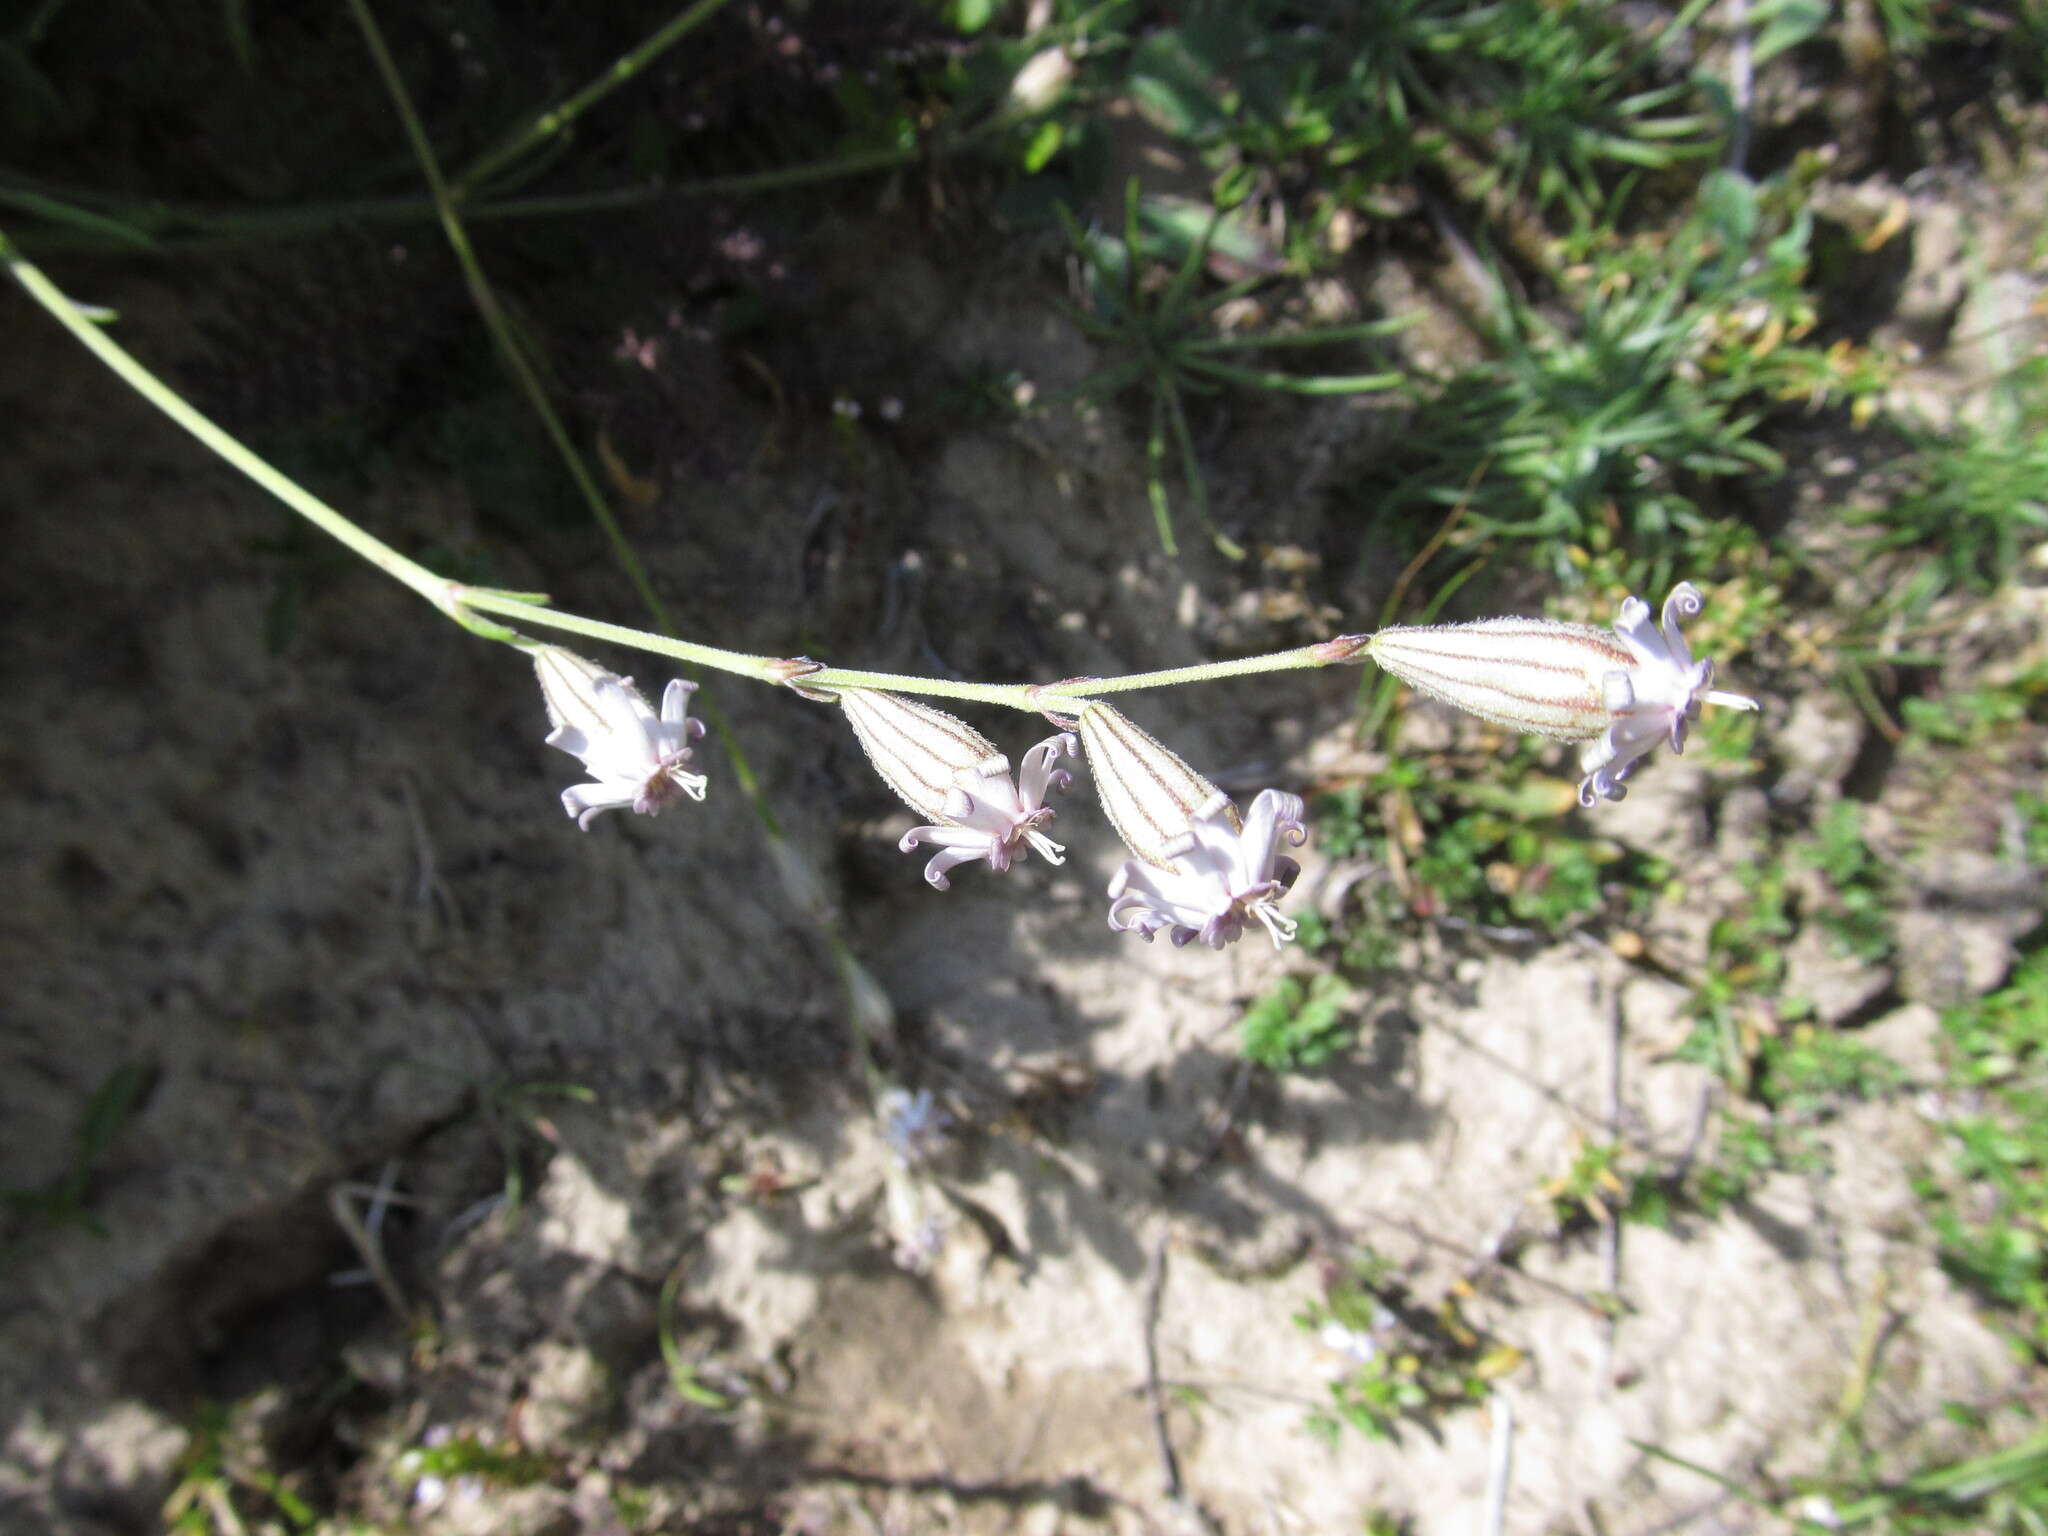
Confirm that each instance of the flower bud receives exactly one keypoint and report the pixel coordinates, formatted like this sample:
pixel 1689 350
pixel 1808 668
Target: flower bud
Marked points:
pixel 1533 675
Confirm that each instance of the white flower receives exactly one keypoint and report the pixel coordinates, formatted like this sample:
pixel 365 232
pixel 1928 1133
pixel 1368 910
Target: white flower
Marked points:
pixel 1654 700
pixel 1199 872
pixel 945 769
pixel 1357 1348
pixel 987 817
pixel 1216 876
pixel 1620 691
pixel 635 757
pixel 913 1125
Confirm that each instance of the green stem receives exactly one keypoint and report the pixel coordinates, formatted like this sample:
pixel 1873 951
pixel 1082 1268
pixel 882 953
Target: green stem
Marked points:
pixel 433 588
pixel 1012 695
pixel 486 300
pixel 558 119
pixel 512 605
pixel 459 601
pixel 1303 659
pixel 210 227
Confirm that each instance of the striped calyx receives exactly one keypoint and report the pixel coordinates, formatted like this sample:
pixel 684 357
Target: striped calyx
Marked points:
pixel 1620 691
pixel 1538 675
pixel 923 753
pixel 1151 797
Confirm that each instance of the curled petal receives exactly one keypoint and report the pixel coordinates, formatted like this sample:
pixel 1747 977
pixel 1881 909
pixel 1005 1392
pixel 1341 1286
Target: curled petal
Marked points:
pixel 636 758
pixel 986 816
pixel 1038 775
pixel 1217 877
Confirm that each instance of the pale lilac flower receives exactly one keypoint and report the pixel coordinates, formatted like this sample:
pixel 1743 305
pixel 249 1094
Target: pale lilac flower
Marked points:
pixel 1619 691
pixel 1654 700
pixel 945 769
pixel 1354 1346
pixel 1200 872
pixel 1217 876
pixel 913 1125
pixel 635 757
pixel 988 817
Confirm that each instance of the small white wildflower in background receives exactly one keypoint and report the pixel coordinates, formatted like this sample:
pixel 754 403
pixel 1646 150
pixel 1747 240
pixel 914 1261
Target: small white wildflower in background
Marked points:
pixel 1042 81
pixel 1820 1509
pixel 912 1124
pixel 637 758
pixel 1201 871
pixel 1619 691
pixel 1352 1345
pixel 945 769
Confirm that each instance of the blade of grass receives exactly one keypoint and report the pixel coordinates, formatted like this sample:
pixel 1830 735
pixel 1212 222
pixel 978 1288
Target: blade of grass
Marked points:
pixel 1155 476
pixel 187 228
pixel 1318 337
pixel 73 217
pixel 1727 1485
pixel 559 118
pixel 1191 469
pixel 1296 384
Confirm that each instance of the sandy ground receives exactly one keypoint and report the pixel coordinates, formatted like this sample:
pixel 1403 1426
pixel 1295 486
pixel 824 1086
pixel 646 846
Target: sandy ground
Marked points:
pixel 325 898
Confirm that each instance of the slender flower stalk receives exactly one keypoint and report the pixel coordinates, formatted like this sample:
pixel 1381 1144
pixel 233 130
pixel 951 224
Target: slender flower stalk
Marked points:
pixel 1619 691
pixel 1200 870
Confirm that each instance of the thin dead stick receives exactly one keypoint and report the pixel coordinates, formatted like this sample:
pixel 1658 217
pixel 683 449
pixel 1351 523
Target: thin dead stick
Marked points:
pixel 1155 1290
pixel 1611 1237
pixel 341 1205
pixel 1694 1137
pixel 1155 1396
pixel 1501 1464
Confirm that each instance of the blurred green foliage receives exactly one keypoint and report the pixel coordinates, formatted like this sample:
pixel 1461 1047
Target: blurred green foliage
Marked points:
pixel 1990 1206
pixel 1405 1362
pixel 1296 1025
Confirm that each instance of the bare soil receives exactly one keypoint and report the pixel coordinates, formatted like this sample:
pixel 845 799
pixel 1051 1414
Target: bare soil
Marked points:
pixel 324 896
